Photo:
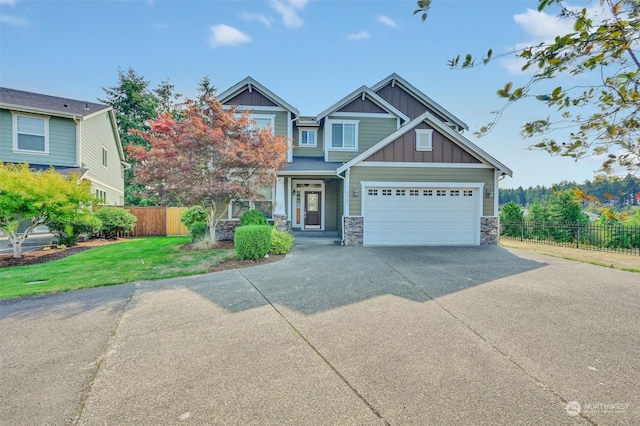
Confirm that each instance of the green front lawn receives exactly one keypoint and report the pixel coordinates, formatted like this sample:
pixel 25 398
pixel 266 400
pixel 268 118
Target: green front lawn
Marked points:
pixel 132 260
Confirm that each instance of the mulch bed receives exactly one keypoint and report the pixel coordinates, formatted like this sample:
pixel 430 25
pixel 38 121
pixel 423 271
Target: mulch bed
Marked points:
pixel 42 256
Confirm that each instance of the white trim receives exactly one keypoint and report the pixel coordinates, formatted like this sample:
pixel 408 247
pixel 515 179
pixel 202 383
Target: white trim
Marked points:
pixel 44 111
pixel 315 137
pixel 419 143
pixel 363 115
pixel 243 108
pixel 328 135
pixel 424 165
pixel 322 191
pixel 307 173
pixel 346 195
pixel 289 137
pixel 45 119
pixel 289 196
pixel 278 208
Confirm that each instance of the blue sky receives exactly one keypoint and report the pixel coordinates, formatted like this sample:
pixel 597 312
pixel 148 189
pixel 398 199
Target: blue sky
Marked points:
pixel 310 53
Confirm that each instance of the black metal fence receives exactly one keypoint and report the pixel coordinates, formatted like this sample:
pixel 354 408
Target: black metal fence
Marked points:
pixel 590 236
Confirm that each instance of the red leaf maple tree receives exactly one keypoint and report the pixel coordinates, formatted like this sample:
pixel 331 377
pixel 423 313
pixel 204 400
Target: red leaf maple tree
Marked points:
pixel 207 157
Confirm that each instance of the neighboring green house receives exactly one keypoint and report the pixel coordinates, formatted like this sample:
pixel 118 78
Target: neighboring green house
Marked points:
pixel 70 135
pixel 385 165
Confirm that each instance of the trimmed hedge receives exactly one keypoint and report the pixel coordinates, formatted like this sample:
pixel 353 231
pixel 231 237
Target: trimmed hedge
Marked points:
pixel 281 242
pixel 252 241
pixel 253 217
pixel 115 221
pixel 68 229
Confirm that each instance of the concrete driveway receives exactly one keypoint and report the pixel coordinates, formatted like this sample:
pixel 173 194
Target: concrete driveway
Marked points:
pixel 335 335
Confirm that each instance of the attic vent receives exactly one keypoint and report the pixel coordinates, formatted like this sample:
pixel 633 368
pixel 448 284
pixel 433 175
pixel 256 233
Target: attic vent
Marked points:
pixel 424 139
pixel 65 105
pixel 86 107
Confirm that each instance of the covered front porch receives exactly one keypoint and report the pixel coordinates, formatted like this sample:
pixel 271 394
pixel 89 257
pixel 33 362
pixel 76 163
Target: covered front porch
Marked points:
pixel 310 195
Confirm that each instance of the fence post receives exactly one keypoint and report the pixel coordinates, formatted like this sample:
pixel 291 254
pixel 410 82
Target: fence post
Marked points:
pixel 577 234
pixel 521 229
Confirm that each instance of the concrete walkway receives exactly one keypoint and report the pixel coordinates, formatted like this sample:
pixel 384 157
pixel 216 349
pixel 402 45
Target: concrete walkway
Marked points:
pixel 335 335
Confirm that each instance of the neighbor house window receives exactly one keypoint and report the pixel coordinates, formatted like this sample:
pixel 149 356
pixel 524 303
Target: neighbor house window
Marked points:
pixel 101 196
pixel 307 138
pixel 31 133
pixel 343 134
pixel 264 204
pixel 104 156
pixel 424 139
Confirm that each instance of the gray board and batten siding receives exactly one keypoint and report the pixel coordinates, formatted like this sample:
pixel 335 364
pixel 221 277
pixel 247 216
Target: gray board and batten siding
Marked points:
pixel 253 98
pixel 403 149
pixel 405 102
pixel 365 106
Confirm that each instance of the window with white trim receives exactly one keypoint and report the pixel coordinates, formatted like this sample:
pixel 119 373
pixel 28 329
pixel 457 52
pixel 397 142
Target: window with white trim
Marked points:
pixel 468 193
pixel 105 156
pixel 424 139
pixel 31 133
pixel 308 137
pixel 342 135
pixel 414 192
pixel 101 196
pixel 262 121
pixel 264 204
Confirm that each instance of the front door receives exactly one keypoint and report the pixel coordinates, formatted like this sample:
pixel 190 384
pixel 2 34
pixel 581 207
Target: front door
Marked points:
pixel 312 210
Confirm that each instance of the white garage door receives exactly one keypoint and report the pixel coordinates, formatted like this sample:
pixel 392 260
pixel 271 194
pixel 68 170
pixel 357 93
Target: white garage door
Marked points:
pixel 421 215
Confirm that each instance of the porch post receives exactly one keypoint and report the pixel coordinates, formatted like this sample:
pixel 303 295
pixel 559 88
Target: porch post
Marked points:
pixel 280 210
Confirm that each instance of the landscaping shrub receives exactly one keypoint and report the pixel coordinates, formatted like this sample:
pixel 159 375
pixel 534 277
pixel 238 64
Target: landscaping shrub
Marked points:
pixel 68 229
pixel 198 231
pixel 115 221
pixel 253 217
pixel 195 219
pixel 252 241
pixel 281 242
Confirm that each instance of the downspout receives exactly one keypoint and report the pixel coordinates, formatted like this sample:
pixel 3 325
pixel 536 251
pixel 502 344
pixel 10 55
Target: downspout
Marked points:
pixel 78 121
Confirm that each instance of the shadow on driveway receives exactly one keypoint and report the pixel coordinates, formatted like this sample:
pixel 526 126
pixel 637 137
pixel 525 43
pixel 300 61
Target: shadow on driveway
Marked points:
pixel 319 278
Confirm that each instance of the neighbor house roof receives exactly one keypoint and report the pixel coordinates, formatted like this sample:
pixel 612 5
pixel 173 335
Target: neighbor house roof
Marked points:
pixel 250 83
pixel 46 104
pixel 427 101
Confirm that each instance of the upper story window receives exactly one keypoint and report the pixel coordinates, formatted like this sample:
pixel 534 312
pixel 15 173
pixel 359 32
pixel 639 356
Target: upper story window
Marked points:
pixel 424 139
pixel 308 138
pixel 262 121
pixel 343 134
pixel 31 133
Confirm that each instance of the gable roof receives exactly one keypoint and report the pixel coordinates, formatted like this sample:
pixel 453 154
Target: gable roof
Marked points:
pixel 437 124
pixel 45 104
pixel 427 101
pixel 363 91
pixel 250 83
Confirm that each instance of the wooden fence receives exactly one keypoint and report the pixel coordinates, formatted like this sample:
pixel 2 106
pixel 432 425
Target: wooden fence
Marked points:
pixel 157 221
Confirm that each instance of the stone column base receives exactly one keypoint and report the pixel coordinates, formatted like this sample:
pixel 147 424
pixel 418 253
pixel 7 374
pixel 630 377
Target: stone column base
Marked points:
pixel 353 230
pixel 489 230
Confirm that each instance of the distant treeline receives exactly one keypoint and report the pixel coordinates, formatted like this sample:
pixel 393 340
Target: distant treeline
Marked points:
pixel 617 193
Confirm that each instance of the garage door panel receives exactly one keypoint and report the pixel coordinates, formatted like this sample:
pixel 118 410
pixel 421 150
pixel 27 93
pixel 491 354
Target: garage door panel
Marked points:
pixel 421 216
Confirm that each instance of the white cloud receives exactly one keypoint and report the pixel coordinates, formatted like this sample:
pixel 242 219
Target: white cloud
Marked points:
pixel 256 17
pixel 362 35
pixel 385 20
pixel 289 10
pixel 541 28
pixel 224 35
pixel 8 2
pixel 161 26
pixel 15 21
